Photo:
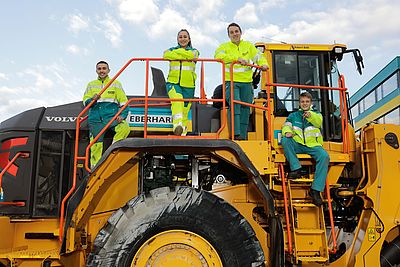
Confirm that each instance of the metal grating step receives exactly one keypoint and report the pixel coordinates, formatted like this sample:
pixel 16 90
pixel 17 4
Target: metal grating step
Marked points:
pixel 312 259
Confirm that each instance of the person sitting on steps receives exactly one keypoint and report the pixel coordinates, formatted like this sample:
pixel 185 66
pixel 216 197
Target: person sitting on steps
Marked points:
pixel 301 134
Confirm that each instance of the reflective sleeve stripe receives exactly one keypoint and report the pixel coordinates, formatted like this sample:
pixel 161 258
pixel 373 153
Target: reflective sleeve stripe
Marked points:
pixel 312 134
pixel 121 104
pixel 182 68
pixel 310 128
pixel 241 69
pixel 93 86
pixel 297 128
pixel 257 57
pixel 116 85
pixel 107 100
pixel 177 116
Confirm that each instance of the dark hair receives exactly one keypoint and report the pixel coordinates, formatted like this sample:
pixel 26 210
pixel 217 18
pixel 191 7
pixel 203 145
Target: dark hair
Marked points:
pixel 102 62
pixel 190 39
pixel 233 24
pixel 306 94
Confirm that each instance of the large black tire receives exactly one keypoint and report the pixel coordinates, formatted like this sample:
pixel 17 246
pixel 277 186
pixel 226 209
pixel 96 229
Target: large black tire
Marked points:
pixel 184 209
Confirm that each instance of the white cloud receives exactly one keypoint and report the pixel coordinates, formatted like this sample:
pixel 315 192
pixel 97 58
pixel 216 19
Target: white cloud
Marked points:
pixel 355 23
pixel 76 50
pixel 78 22
pixel 268 4
pixel 261 34
pixel 207 9
pixel 3 76
pixel 112 30
pixel 246 14
pixel 5 90
pixel 138 11
pixel 169 24
pixel 42 82
pixel 39 85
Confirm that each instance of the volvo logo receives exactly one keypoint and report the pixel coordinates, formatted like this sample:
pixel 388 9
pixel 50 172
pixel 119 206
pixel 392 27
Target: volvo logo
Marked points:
pixel 60 119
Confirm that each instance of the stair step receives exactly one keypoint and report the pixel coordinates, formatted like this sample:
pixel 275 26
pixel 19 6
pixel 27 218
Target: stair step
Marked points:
pixel 312 259
pixel 301 180
pixel 309 231
pixel 310 205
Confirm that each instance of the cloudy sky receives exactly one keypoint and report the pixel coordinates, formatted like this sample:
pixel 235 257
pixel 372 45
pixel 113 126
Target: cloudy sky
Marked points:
pixel 49 48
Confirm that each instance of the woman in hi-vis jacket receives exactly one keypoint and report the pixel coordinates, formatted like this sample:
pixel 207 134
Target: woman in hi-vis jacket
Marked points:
pixel 181 80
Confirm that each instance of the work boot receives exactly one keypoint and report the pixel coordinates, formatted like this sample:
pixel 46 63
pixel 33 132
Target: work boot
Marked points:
pixel 238 137
pixel 316 197
pixel 297 174
pixel 178 130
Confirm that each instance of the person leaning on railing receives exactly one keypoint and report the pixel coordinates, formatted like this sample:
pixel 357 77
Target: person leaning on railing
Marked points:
pixel 181 80
pixel 104 109
pixel 244 52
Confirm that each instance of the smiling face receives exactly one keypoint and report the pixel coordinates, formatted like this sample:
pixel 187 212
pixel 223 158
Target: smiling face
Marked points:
pixel 305 103
pixel 183 38
pixel 102 70
pixel 234 34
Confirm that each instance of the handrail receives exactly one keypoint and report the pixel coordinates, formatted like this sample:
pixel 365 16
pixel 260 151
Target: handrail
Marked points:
pixel 9 164
pixel 342 99
pixel 146 104
pixel 233 101
pixel 328 195
pixel 81 118
pixel 285 202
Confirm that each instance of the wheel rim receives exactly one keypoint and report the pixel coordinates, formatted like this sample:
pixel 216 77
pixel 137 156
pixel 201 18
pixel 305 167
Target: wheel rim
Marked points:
pixel 176 248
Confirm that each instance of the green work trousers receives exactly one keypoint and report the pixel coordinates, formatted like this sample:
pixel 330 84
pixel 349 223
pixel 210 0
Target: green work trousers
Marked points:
pixel 291 148
pixel 242 92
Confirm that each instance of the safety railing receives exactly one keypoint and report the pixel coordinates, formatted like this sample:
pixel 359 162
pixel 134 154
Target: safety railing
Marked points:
pixel 342 105
pixel 203 99
pixel 147 103
pixel 331 221
pixel 6 168
pixel 233 101
pixel 286 206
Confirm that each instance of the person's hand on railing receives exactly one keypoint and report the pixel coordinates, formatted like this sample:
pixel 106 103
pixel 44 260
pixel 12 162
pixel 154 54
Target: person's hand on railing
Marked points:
pixel 119 119
pixel 96 97
pixel 242 61
pixel 264 67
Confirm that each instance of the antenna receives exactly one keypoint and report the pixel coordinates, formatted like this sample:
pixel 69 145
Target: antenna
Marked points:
pixel 278 41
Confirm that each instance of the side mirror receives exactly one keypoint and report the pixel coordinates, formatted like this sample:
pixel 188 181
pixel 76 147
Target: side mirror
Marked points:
pixel 358 58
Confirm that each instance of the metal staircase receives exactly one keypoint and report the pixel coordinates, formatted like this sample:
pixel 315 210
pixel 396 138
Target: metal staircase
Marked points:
pixel 305 224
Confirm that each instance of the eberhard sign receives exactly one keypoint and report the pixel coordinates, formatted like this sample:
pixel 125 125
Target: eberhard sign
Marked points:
pixel 155 120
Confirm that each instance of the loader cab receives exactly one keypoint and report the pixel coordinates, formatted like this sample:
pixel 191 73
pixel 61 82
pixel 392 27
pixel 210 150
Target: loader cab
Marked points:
pixel 39 178
pixel 311 66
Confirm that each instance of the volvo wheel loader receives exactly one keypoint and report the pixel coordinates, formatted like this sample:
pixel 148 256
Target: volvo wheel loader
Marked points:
pixel 204 199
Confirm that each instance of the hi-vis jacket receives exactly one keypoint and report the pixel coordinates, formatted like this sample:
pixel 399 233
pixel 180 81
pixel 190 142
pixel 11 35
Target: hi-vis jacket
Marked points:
pixel 306 131
pixel 182 72
pixel 109 102
pixel 229 52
